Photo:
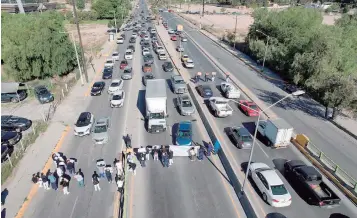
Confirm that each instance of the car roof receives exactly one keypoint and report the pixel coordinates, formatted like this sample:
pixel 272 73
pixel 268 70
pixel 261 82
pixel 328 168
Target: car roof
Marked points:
pixel 177 77
pixel 243 131
pixel 185 97
pixel 115 52
pixel 98 83
pixel 272 177
pixel 116 80
pixel 205 87
pixel 185 125
pixel 119 92
pixel 189 60
pixel 101 121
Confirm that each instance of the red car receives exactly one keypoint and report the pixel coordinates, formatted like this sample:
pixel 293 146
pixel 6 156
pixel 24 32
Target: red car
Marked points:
pixel 173 38
pixel 123 64
pixel 249 108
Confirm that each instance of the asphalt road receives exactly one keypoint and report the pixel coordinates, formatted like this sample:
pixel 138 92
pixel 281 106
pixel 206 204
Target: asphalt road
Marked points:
pixel 186 189
pixel 304 114
pixel 274 158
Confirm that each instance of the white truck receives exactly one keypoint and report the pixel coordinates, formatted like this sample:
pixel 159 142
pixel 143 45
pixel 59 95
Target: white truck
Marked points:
pixel 276 132
pixel 229 90
pixel 220 107
pixel 156 105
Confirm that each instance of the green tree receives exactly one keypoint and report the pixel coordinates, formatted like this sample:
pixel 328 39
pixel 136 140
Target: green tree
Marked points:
pixel 106 8
pixel 33 47
pixel 80 4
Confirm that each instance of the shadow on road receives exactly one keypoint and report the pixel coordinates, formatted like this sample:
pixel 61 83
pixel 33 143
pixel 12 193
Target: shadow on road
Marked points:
pixel 140 103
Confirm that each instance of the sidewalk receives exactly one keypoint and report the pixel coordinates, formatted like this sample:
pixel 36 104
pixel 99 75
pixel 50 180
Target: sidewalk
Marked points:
pixel 19 184
pixel 343 122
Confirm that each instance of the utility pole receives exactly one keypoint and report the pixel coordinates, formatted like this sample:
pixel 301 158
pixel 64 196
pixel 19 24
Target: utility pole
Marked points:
pixel 203 8
pixel 80 40
pixel 20 6
pixel 115 23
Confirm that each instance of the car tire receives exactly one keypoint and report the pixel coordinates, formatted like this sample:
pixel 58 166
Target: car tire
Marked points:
pixel 265 198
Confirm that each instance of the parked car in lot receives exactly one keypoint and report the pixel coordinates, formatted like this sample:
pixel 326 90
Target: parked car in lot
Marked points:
pixel 127 74
pixel 184 134
pixel 131 47
pixel 146 77
pixel 100 131
pixel 147 68
pixel 43 95
pixel 185 105
pixel 249 108
pixel 270 185
pixel 116 85
pixel 10 138
pixel 204 90
pixel 84 124
pixel 109 63
pixel 107 73
pixel 167 66
pixel 291 88
pixel 159 49
pixel 118 99
pixel 14 97
pixel 240 137
pixel 229 90
pixel 14 123
pixel 115 56
pixel 97 88
pixel 132 40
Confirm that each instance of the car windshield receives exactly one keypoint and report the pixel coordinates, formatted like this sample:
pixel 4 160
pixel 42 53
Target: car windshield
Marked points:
pixel 186 103
pixel 43 92
pixel 117 97
pixel 115 54
pixel 82 122
pixel 253 106
pixel 278 190
pixel 108 70
pixel 149 76
pixel 114 84
pixel 109 61
pixel 149 56
pixel 128 53
pixel 184 134
pixel 97 85
pixel 220 102
pixel 179 81
pixel 247 138
pixel 100 129
pixel 127 71
pixel 157 116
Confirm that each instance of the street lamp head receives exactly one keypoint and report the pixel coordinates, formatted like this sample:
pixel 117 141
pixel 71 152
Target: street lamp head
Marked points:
pixel 297 93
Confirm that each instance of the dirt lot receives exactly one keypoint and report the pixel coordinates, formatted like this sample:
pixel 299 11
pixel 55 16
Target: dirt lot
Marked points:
pixel 221 23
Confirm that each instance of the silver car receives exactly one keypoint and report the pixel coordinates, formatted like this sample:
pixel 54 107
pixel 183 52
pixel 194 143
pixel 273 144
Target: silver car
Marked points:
pixel 127 74
pixel 178 84
pixel 185 105
pixel 100 131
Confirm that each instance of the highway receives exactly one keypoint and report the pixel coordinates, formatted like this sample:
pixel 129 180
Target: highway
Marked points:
pixel 262 153
pixel 186 189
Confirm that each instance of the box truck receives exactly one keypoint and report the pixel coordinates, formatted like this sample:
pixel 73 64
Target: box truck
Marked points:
pixel 276 132
pixel 156 106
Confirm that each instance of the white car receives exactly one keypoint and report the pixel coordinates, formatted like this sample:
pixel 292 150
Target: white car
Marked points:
pixel 146 51
pixel 84 124
pixel 153 31
pixel 116 56
pixel 159 49
pixel 134 35
pixel 118 99
pixel 162 56
pixel 270 185
pixel 183 39
pixel 120 40
pixel 109 63
pixel 180 48
pixel 128 55
pixel 171 31
pixel 116 85
pixel 189 63
pixel 147 37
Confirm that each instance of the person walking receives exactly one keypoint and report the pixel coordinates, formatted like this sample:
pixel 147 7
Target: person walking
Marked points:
pixel 156 154
pixel 209 149
pixel 119 166
pixel 34 178
pixel 65 184
pixel 39 180
pixel 192 154
pixel 198 77
pixel 171 157
pixel 213 76
pixel 142 159
pixel 147 153
pixel 53 181
pixel 206 77
pixel 165 158
pixel 95 180
pixel 80 179
pixel 108 173
pixel 200 153
pixel 70 166
pixel 119 180
pixel 101 166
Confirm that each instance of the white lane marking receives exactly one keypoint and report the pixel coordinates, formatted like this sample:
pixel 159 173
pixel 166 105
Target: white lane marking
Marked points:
pixel 74 206
pixel 262 149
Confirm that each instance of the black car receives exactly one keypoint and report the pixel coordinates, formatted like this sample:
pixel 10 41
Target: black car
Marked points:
pixel 131 47
pixel 167 66
pixel 147 77
pixel 153 35
pixel 291 88
pixel 205 91
pixel 10 138
pixel 13 97
pixel 97 88
pixel 14 123
pixel 43 94
pixel 123 35
pixel 107 73
pixel 132 40
pixel 149 59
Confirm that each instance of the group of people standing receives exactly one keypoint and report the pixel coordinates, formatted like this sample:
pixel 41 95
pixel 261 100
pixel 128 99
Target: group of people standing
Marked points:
pixel 165 155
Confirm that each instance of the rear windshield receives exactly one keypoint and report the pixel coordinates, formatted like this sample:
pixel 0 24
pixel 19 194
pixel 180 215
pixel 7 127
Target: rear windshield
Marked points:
pixel 117 97
pixel 278 190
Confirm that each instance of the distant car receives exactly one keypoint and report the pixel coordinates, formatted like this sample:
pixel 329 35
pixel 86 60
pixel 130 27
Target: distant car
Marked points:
pixel 189 63
pixel 14 97
pixel 14 123
pixel 128 55
pixel 134 35
pixel 162 56
pixel 291 88
pixel 183 39
pixel 146 37
pixel 109 63
pixel 43 94
pixel 10 138
pixel 249 108
pixel 97 88
pixel 184 58
pixel 270 185
pixel 171 31
pixel 131 47
pixel 240 137
pixel 180 48
pixel 117 99
pixel 123 64
pixel 178 84
pixel 184 134
pixel 174 38
pixel 167 66
pixel 185 105
pixel 115 56
pixel 107 73
pixel 147 68
pixel 132 40
pixel 120 40
pixel 159 49
pixel 84 124
pixel 147 77
pixel 100 131
pixel 116 85
pixel 146 51
pixel 127 73
pixel 205 91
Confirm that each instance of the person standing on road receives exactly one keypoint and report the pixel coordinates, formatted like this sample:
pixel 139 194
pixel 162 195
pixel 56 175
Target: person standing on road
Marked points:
pixel 192 154
pixel 34 178
pixel 65 183
pixel 132 167
pixel 200 153
pixel 147 153
pixel 70 166
pixel 171 157
pixel 142 159
pixel 108 173
pixel 213 76
pixel 198 77
pixel 156 154
pixel 95 180
pixel 101 166
pixel 206 77
pixel 79 179
pixel 119 165
pixel 119 180
pixel 53 181
pixel 39 180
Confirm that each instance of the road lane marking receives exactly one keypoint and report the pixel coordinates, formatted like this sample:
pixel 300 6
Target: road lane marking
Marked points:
pixel 131 196
pixel 47 166
pixel 74 206
pixel 262 149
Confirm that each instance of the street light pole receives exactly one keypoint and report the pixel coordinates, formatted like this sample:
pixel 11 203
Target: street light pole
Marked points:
pixel 115 23
pixel 266 46
pixel 297 93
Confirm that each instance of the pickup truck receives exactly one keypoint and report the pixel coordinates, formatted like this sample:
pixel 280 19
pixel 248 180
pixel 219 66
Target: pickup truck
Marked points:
pixel 220 107
pixel 310 181
pixel 229 91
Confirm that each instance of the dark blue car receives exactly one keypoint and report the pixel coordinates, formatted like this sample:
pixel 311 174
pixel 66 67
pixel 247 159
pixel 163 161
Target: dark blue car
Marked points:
pixel 184 134
pixel 205 91
pixel 107 73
